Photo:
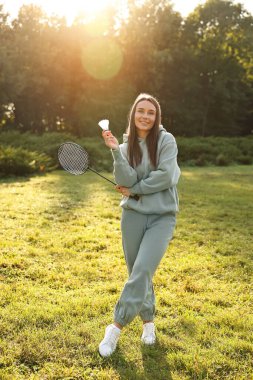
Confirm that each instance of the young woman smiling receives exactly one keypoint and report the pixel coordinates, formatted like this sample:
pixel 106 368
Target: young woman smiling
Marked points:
pixel 144 165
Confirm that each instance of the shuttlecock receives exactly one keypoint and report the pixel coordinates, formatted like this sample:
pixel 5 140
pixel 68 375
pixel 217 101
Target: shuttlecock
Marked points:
pixel 104 124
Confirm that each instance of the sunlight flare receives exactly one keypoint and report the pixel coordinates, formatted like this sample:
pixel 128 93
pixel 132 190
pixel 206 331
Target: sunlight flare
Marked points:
pixel 72 9
pixel 102 58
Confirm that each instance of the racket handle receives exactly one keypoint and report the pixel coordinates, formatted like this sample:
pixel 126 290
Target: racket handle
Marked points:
pixel 136 197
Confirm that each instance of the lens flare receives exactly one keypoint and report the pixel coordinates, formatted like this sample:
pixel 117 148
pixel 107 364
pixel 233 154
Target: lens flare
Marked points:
pixel 102 58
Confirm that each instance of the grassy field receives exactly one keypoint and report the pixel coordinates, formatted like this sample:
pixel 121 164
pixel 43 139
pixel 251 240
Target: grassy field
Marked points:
pixel 62 270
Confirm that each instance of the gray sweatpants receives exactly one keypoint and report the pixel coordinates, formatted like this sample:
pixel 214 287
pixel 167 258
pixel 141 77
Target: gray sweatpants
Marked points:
pixel 145 239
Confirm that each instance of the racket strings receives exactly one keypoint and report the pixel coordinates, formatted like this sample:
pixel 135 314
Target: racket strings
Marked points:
pixel 73 158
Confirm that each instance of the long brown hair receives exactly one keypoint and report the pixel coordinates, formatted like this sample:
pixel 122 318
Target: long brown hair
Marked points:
pixel 134 151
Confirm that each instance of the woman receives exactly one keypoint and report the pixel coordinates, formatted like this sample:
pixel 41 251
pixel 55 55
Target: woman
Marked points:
pixel 146 171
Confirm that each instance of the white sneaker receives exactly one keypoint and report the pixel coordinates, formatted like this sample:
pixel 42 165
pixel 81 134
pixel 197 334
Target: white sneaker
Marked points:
pixel 148 335
pixel 109 343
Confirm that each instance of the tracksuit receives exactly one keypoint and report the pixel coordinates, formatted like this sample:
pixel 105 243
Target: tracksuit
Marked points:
pixel 147 224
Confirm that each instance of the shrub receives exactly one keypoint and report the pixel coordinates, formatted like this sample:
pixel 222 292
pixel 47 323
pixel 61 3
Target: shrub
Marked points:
pixel 48 144
pixel 201 160
pixel 222 160
pixel 39 150
pixel 245 160
pixel 20 162
pixel 215 150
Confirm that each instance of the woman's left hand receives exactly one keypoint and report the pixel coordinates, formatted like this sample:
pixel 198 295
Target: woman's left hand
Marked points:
pixel 123 190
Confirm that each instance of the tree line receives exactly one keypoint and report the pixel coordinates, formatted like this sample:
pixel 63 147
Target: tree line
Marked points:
pixel 60 77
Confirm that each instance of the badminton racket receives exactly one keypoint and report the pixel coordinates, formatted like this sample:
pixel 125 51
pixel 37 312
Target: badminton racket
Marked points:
pixel 75 160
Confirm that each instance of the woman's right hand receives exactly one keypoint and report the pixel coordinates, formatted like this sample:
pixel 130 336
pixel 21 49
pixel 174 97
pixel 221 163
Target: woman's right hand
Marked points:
pixel 110 140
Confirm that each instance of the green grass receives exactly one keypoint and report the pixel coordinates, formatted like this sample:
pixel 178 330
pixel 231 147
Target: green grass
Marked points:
pixel 62 271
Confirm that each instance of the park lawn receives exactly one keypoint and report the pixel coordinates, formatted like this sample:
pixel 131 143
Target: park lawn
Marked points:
pixel 62 270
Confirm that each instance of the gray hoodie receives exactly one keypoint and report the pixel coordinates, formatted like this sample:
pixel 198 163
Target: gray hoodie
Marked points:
pixel 156 188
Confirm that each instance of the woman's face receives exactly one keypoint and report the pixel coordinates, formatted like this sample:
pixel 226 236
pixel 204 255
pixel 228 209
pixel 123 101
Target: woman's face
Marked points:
pixel 144 117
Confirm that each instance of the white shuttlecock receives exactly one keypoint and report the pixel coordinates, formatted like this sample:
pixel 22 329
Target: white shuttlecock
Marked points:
pixel 104 124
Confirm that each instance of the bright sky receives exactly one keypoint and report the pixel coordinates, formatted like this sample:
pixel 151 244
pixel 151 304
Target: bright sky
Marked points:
pixel 70 8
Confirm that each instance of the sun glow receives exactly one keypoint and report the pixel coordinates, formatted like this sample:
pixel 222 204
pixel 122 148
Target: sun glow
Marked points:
pixel 70 9
pixel 89 9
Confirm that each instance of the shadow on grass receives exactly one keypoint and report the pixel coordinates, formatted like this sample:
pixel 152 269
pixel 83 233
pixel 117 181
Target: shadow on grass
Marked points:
pixel 6 180
pixel 76 187
pixel 154 364
pixel 69 193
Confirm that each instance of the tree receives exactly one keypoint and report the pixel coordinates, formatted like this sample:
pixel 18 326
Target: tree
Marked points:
pixel 217 37
pixel 5 66
pixel 200 68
